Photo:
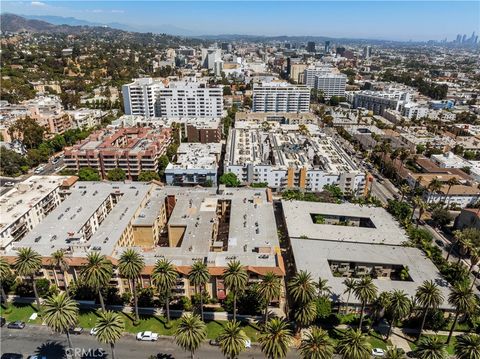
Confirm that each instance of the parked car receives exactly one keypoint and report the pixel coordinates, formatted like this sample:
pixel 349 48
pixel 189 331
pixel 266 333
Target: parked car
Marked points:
pixel 16 325
pixel 2 321
pixel 440 243
pixel 147 336
pixel 76 330
pixel 9 184
pixel 36 357
pixel 214 342
pixel 93 331
pixel 378 352
pixel 39 170
pixel 12 356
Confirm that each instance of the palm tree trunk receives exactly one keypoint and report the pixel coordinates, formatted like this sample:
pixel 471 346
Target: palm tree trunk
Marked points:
pixel 450 250
pixel 192 355
pixel 112 347
pixel 167 305
pixel 453 327
pixel 4 296
pixel 266 312
pixel 348 302
pixel 361 316
pixel 135 299
pixel 65 282
pixel 423 322
pixel 100 296
pixel 37 298
pixel 55 277
pixel 201 302
pixel 390 327
pixel 69 340
pixel 234 307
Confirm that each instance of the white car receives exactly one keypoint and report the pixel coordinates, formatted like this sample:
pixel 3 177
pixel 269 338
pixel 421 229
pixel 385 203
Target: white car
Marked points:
pixel 378 352
pixel 9 184
pixel 93 331
pixel 147 336
pixel 248 343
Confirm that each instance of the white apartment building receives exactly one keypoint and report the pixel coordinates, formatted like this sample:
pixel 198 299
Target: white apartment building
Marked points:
pixel 310 73
pixel 331 84
pixel 154 98
pixel 284 156
pixel 280 97
pixel 379 101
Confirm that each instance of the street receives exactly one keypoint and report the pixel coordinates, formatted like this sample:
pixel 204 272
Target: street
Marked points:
pixel 40 340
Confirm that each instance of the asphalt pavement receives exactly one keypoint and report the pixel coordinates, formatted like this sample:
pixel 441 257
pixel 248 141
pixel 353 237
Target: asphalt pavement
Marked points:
pixel 41 341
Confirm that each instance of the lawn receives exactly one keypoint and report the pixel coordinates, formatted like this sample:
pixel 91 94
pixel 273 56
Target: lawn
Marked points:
pixel 375 339
pixel 19 311
pixel 443 338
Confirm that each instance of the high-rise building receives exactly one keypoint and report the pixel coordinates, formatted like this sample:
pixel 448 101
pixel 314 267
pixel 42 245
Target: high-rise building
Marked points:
pixel 327 47
pixel 311 46
pixel 280 97
pixel 464 38
pixel 209 56
pixel 150 98
pixel 367 52
pixel 310 73
pixel 459 39
pixel 331 84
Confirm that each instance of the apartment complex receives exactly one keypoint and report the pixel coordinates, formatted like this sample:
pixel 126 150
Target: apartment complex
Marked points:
pixel 280 97
pixel 160 222
pixel 134 150
pixel 290 156
pixel 195 164
pixel 203 130
pixel 155 98
pixel 379 101
pixel 282 118
pixel 25 205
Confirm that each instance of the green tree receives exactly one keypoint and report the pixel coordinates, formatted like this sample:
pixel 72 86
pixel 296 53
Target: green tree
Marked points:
pixel 5 273
pixel 354 345
pixel 110 327
pixel 60 313
pixel 431 348
pixel 199 276
pixel 235 278
pixel 88 174
pixel 275 339
pixel 468 346
pixel 232 339
pixel 366 292
pixel 28 263
pixel 130 266
pixel 268 289
pixel 12 164
pixel 164 276
pixel 60 262
pixel 323 288
pixel 305 314
pixel 441 216
pixel 350 284
pixel 316 345
pixel 399 306
pixel 462 298
pixel 163 162
pixel 97 273
pixel 190 333
pixel 394 353
pixel 428 297
pixel 302 288
pixel 229 179
pixel 147 176
pixel 116 174
pixel 28 131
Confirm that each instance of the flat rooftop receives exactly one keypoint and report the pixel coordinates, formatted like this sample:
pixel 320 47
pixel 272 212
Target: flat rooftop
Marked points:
pixel 313 256
pixel 197 156
pixel 300 223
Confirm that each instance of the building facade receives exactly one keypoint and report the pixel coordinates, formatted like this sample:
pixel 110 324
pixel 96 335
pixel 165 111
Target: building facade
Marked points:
pixel 280 97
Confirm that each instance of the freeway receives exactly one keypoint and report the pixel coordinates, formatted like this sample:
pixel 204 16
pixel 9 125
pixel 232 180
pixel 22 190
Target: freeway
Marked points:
pixel 41 341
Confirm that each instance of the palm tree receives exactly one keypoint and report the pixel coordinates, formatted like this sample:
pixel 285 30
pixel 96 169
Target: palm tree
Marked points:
pixel 422 207
pixel 199 277
pixel 110 327
pixel 27 264
pixel 463 299
pixel 301 287
pixel 404 189
pixel 398 307
pixel 450 183
pixel 268 289
pixel 316 345
pixel 164 276
pixel 354 345
pixel 416 201
pixel 455 239
pixel 468 346
pixel 474 258
pixel 350 283
pixel 431 348
pixel 305 314
pixel 394 353
pixel 130 266
pixel 428 295
pixel 235 278
pixel 59 261
pixel 190 333
pixel 97 273
pixel 275 339
pixel 365 291
pixel 323 288
pixel 232 339
pixel 5 273
pixel 60 313
pixel 435 185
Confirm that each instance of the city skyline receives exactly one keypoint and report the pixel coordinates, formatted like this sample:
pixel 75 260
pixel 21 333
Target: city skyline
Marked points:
pixel 397 20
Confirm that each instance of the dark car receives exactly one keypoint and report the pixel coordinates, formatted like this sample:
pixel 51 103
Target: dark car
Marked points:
pixel 16 325
pixel 12 356
pixel 2 321
pixel 76 330
pixel 214 342
pixel 440 243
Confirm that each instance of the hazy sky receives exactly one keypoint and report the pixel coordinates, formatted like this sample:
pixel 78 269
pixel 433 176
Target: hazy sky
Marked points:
pixel 397 20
